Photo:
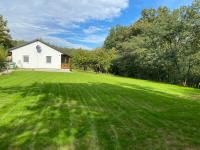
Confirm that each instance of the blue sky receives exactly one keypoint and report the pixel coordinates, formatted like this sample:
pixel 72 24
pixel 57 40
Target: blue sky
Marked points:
pixel 74 23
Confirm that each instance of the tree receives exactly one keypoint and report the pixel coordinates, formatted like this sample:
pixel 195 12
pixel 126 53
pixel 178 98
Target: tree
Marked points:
pixel 98 60
pixel 101 59
pixel 117 35
pixel 17 42
pixel 5 38
pixel 81 59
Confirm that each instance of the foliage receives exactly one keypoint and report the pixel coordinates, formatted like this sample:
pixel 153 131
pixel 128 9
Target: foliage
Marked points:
pixel 117 35
pixel 98 60
pixel 15 43
pixel 82 59
pixel 3 55
pixel 5 41
pixel 163 45
pixel 5 38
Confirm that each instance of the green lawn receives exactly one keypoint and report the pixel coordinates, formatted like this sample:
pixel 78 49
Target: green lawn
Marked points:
pixel 41 110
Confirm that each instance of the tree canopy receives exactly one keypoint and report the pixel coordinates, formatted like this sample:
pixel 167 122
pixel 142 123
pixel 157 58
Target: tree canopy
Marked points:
pixel 5 38
pixel 98 60
pixel 163 45
pixel 5 41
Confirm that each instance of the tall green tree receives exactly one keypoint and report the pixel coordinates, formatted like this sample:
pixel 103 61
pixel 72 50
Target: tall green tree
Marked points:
pixel 5 38
pixel 101 59
pixel 117 35
pixel 82 59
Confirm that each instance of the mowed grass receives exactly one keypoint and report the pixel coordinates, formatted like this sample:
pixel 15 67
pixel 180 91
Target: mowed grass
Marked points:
pixel 81 111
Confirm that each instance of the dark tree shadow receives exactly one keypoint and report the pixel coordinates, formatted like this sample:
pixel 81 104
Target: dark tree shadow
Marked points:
pixel 97 116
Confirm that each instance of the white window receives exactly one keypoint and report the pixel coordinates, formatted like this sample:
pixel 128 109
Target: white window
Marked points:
pixel 26 58
pixel 48 59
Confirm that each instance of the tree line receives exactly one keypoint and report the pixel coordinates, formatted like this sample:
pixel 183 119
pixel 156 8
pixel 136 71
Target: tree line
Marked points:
pixel 162 45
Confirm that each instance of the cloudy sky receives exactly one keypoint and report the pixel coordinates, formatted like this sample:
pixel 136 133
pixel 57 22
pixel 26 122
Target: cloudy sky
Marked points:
pixel 74 23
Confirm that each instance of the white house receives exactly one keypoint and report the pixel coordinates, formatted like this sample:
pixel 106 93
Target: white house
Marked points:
pixel 39 55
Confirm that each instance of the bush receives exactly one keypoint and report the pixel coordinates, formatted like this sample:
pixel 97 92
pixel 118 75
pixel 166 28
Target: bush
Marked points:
pixel 3 55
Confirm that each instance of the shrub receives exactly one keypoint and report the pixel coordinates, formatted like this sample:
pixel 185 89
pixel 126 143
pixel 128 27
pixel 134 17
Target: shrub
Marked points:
pixel 3 55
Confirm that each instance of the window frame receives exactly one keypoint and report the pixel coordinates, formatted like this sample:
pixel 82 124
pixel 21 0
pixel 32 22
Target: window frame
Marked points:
pixel 48 62
pixel 26 56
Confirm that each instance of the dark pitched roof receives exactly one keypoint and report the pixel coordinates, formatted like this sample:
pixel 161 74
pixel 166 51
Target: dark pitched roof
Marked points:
pixel 37 40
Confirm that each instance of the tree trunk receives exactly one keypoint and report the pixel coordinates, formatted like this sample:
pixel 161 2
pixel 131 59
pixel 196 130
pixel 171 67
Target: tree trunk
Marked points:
pixel 187 74
pixel 185 82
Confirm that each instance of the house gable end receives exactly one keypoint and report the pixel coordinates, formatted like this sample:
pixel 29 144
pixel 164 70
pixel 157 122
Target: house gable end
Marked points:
pixel 39 42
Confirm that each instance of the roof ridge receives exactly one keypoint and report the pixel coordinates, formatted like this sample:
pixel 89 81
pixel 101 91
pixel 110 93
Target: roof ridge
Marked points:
pixel 37 40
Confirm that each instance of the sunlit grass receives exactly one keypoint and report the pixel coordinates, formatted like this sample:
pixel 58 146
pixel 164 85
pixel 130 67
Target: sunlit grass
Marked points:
pixel 40 110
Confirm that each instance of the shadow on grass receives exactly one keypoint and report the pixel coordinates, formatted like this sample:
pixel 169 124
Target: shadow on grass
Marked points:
pixel 97 116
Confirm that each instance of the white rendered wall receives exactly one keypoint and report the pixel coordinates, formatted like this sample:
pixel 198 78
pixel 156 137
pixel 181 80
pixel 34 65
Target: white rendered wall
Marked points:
pixel 36 60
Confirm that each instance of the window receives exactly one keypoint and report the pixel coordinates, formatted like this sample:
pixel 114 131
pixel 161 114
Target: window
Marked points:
pixel 26 58
pixel 48 59
pixel 64 59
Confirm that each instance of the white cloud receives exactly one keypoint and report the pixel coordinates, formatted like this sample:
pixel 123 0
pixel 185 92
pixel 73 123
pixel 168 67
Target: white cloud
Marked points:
pixel 29 19
pixel 25 31
pixel 97 39
pixel 92 29
pixel 64 43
